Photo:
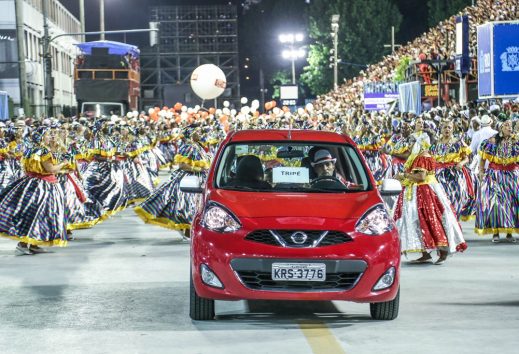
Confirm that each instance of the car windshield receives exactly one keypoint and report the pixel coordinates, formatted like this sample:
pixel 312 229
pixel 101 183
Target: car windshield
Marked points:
pixel 298 167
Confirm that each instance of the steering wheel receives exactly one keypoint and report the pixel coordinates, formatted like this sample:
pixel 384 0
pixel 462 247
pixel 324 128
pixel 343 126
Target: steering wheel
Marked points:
pixel 325 182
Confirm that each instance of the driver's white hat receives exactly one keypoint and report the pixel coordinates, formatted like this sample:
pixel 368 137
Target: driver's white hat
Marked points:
pixel 322 156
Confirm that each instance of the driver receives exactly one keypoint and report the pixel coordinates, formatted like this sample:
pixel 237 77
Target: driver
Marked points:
pixel 324 166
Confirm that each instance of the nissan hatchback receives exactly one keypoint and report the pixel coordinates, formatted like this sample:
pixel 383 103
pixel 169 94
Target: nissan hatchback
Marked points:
pixel 292 215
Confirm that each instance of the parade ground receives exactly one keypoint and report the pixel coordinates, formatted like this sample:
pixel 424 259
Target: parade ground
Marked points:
pixel 123 287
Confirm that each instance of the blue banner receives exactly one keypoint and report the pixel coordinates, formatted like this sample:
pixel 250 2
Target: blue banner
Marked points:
pixel 484 60
pixel 506 59
pixel 379 95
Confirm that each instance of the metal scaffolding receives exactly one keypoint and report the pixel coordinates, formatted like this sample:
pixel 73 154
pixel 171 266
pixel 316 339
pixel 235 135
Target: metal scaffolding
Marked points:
pixel 189 36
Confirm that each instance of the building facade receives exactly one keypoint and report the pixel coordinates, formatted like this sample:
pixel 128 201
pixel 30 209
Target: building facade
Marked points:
pixel 62 51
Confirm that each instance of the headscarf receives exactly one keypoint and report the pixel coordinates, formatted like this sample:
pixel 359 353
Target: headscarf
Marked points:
pixel 422 143
pixel 37 134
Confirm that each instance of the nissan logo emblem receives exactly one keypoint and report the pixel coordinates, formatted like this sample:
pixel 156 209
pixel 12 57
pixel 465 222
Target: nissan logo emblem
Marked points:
pixel 299 237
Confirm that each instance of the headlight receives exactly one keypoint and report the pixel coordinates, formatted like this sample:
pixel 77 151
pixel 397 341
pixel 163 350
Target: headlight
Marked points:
pixel 217 218
pixel 375 221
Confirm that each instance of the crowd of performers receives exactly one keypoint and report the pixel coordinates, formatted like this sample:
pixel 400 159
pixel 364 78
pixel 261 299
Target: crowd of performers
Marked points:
pixel 60 175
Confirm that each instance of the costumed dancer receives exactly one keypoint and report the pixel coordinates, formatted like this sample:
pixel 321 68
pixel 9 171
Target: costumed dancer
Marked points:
pixel 32 209
pixel 103 179
pixel 399 149
pixel 81 210
pixel 424 216
pixel 6 172
pixel 451 156
pixel 17 146
pixel 370 143
pixel 139 178
pixel 168 206
pixel 498 198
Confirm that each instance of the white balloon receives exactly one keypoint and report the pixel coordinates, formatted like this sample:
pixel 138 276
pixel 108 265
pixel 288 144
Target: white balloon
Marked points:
pixel 244 100
pixel 276 110
pixel 151 110
pixel 183 116
pixel 226 103
pixel 190 110
pixel 300 111
pixel 197 108
pixel 310 107
pixel 129 114
pixel 184 109
pixel 218 111
pixel 135 113
pixel 255 104
pixel 226 111
pixel 208 81
pixel 245 110
pixel 233 112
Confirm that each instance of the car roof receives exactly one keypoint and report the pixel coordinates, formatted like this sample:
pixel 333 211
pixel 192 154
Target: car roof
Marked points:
pixel 295 135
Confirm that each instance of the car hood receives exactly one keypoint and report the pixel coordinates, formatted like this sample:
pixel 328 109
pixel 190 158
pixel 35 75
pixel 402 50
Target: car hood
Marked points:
pixel 325 205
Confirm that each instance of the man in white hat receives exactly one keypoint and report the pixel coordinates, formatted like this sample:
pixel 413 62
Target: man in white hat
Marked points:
pixel 324 166
pixel 486 132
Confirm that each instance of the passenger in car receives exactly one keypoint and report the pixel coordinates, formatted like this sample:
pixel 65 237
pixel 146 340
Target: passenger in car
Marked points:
pixel 249 173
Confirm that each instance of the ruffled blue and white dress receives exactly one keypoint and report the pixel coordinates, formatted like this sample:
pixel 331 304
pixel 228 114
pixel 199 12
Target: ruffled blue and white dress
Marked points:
pixel 32 209
pixel 168 206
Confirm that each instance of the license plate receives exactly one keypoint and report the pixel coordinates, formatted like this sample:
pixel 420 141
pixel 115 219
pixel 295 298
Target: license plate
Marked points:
pixel 299 271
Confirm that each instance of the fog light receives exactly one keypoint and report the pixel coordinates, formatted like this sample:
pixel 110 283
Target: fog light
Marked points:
pixel 209 278
pixel 386 280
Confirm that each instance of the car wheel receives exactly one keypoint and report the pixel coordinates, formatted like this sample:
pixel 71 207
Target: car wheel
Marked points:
pixel 385 310
pixel 200 309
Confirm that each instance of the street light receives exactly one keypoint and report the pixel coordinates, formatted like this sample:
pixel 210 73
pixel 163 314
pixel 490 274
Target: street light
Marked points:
pixel 292 53
pixel 335 32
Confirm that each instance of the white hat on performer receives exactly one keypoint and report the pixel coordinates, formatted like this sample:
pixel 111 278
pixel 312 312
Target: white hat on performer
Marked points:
pixel 476 119
pixel 486 120
pixel 494 107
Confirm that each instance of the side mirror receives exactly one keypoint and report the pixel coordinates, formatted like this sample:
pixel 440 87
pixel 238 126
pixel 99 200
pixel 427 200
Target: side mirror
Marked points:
pixel 390 187
pixel 191 184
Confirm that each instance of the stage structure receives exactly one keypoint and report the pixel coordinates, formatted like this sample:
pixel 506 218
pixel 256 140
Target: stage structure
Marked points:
pixel 188 37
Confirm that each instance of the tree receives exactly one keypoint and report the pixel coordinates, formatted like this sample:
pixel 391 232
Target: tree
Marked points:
pixel 364 28
pixel 440 10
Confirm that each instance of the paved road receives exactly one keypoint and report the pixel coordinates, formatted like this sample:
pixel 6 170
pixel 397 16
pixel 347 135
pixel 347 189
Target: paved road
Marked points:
pixel 122 287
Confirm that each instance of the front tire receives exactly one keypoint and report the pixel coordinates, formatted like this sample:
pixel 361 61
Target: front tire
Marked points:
pixel 200 309
pixel 385 311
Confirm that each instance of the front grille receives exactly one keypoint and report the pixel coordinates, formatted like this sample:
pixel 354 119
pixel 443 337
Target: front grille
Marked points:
pixel 263 281
pixel 315 238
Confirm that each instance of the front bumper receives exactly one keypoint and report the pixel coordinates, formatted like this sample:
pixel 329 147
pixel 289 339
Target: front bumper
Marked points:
pixel 244 266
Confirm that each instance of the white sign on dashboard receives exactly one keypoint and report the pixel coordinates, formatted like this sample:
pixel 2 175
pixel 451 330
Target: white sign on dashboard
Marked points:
pixel 290 175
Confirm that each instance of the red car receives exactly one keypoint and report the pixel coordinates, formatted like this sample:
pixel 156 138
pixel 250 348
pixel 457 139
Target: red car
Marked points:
pixel 292 215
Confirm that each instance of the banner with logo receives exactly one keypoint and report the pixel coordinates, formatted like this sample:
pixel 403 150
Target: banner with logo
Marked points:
pixel 498 59
pixel 379 95
pixel 506 59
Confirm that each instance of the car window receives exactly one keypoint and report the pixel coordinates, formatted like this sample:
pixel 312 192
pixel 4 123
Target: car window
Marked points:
pixel 293 167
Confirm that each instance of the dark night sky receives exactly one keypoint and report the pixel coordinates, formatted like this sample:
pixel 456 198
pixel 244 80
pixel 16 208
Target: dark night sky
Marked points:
pixel 125 14
pixel 128 14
